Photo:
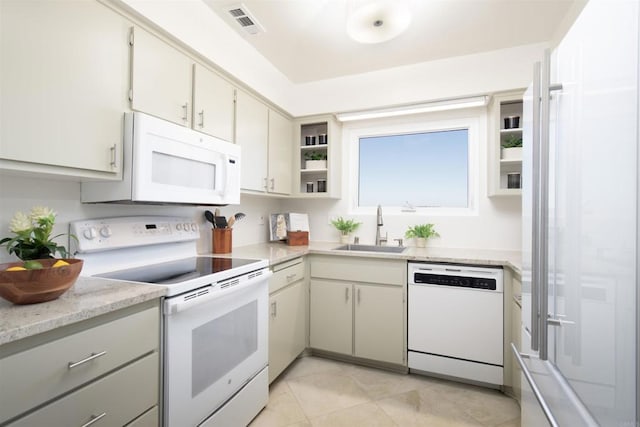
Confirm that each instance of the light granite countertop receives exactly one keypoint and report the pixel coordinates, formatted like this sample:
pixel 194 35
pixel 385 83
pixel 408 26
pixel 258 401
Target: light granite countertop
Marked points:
pixel 280 252
pixel 90 297
pixel 87 298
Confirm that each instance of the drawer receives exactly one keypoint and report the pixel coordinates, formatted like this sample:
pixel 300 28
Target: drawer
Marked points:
pixel 116 399
pixel 148 419
pixel 352 269
pixel 285 274
pixel 39 374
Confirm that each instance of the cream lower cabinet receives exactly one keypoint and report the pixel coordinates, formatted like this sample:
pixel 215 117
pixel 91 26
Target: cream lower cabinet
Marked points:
pixel 287 315
pixel 64 77
pixel 104 370
pixel 357 307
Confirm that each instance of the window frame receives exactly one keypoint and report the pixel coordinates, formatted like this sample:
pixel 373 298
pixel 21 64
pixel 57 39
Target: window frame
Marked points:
pixel 423 124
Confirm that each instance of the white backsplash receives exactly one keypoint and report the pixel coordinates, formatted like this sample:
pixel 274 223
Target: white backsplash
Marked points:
pixel 22 193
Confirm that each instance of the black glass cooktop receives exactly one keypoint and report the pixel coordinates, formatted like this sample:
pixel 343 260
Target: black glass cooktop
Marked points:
pixel 178 271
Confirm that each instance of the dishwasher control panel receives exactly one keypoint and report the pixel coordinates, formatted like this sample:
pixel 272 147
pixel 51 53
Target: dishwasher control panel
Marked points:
pixel 459 276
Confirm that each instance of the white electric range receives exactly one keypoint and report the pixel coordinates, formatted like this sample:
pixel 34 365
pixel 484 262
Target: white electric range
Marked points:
pixel 215 319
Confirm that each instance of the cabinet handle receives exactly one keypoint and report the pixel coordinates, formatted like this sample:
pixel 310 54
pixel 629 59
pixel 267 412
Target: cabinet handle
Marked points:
pixel 291 277
pixel 266 185
pixel 274 309
pixel 112 151
pixel 201 114
pixel 93 419
pixel 87 359
pixel 273 183
pixel 346 294
pixel 358 295
pixel 185 108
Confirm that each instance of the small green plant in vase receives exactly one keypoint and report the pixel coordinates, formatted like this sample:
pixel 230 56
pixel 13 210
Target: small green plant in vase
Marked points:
pixel 315 160
pixel 511 147
pixel 421 233
pixel 345 227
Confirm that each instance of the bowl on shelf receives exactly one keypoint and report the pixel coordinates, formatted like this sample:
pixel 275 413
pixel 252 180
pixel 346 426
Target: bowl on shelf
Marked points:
pixel 34 286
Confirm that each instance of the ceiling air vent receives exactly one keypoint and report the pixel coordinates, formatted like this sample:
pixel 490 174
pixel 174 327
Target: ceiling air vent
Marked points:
pixel 243 17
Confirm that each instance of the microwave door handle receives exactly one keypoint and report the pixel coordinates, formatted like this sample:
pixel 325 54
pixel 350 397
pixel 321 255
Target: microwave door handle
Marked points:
pixel 227 183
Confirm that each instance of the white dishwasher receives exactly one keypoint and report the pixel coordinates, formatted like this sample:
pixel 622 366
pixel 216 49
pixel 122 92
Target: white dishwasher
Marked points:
pixel 455 321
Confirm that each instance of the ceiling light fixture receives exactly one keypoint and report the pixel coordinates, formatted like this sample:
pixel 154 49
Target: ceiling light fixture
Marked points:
pixel 378 21
pixel 428 107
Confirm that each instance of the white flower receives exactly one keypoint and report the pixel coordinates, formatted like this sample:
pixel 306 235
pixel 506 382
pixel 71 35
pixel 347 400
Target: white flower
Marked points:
pixel 20 223
pixel 41 212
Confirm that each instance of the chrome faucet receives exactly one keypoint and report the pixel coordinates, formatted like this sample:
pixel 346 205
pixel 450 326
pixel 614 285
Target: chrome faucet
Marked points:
pixel 379 222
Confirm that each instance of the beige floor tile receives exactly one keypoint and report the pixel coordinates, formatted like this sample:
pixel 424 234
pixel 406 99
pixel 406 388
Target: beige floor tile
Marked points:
pixel 282 410
pixel 426 407
pixel 312 365
pixel 322 393
pixel 513 423
pixel 366 414
pixel 378 383
pixel 490 407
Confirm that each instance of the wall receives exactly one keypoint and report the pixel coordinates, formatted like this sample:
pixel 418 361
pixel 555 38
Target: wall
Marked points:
pixel 496 223
pixel 22 193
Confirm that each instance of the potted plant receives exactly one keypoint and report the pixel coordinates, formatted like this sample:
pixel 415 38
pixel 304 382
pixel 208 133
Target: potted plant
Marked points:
pixel 315 160
pixel 421 233
pixel 511 147
pixel 32 238
pixel 346 227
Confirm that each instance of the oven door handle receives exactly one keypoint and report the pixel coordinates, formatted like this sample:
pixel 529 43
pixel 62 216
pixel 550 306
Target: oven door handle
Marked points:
pixel 177 305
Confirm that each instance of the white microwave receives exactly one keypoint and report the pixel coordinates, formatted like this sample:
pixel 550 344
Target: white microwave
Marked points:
pixel 165 163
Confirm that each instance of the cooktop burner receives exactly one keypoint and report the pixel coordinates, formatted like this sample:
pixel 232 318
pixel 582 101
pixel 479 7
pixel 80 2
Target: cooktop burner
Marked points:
pixel 178 271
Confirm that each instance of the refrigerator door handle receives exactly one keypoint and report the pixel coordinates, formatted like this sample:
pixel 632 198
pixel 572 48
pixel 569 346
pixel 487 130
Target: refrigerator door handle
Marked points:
pixel 535 214
pixel 534 387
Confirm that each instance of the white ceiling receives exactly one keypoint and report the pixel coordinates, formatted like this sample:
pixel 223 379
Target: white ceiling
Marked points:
pixel 307 41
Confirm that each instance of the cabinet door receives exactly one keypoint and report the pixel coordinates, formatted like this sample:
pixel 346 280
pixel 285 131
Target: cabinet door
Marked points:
pixel 286 327
pixel 252 132
pixel 379 325
pixel 161 79
pixel 213 104
pixel 280 153
pixel 330 317
pixel 64 80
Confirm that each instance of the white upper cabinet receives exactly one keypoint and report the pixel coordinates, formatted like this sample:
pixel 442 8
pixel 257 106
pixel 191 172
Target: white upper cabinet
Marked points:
pixel 213 104
pixel 161 79
pixel 64 73
pixel 252 133
pixel 266 140
pixel 280 153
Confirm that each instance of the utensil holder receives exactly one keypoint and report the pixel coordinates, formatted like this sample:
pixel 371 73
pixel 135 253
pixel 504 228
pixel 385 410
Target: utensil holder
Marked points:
pixel 221 240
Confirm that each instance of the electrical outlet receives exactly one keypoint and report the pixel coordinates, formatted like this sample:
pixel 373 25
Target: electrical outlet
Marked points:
pixel 261 220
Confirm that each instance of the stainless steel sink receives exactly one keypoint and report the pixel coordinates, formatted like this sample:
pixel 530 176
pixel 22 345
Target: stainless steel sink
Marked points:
pixel 371 248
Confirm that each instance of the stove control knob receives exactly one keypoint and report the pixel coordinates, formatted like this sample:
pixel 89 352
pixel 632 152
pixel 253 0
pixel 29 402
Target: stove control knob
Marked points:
pixel 178 226
pixel 90 233
pixel 186 226
pixel 194 226
pixel 105 231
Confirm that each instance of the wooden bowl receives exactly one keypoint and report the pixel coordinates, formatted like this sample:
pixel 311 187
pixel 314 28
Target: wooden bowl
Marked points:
pixel 33 286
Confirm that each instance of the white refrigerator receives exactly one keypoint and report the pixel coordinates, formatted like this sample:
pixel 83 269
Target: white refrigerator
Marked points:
pixel 579 355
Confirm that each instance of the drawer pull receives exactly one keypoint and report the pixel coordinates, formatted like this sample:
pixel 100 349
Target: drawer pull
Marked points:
pixel 291 277
pixel 93 419
pixel 88 359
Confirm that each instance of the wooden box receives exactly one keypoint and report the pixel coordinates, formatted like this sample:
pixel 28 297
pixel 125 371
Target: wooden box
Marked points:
pixel 297 238
pixel 221 243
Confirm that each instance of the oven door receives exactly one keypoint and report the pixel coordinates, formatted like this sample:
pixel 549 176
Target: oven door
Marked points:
pixel 212 349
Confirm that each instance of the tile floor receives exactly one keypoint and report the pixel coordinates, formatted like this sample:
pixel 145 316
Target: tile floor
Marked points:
pixel 320 392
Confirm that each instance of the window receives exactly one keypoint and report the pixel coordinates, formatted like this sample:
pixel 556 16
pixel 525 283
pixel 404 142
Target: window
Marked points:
pixel 427 169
